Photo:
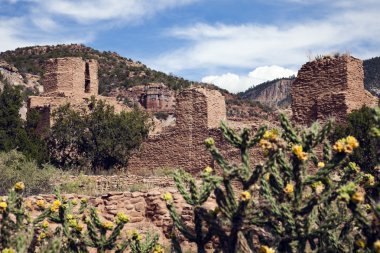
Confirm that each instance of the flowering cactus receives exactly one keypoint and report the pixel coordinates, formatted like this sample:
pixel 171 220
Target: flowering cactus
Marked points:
pixel 304 198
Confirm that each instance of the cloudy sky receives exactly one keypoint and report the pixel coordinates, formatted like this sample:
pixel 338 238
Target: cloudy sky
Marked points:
pixel 232 43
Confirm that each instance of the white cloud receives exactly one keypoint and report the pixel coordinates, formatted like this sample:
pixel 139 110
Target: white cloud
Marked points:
pixel 73 21
pixel 349 26
pixel 235 83
pixel 87 11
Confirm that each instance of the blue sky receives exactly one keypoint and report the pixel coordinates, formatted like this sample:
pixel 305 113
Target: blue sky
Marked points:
pixel 232 43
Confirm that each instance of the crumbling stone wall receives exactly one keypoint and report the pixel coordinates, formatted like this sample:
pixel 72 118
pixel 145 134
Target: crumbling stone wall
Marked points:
pixel 329 87
pixel 68 80
pixel 154 97
pixel 198 111
pixel 147 210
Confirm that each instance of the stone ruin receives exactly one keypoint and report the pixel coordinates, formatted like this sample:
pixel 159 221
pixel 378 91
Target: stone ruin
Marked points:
pixel 154 97
pixel 198 113
pixel 329 87
pixel 67 80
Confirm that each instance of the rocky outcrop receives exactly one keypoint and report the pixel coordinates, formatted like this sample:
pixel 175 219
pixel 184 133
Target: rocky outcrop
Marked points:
pixel 274 93
pixel 372 75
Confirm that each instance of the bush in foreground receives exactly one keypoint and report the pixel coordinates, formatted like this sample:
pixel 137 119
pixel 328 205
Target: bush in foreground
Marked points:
pixel 282 206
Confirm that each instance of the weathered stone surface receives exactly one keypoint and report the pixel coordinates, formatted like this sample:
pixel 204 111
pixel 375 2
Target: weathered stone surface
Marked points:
pixel 329 87
pixel 197 111
pixel 68 80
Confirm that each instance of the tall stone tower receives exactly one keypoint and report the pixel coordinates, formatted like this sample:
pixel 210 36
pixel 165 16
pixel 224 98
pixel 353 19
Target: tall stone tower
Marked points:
pixel 70 76
pixel 329 87
pixel 67 80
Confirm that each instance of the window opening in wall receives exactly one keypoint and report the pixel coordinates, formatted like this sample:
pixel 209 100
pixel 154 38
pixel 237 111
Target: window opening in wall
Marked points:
pixel 87 82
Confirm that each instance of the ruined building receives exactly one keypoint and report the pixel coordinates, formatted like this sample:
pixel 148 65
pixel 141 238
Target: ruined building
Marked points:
pixel 198 114
pixel 329 87
pixel 154 97
pixel 67 80
pixel 157 97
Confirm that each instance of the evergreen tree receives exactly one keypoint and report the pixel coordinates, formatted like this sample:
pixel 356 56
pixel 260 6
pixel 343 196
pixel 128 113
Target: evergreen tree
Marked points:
pixel 12 132
pixel 99 139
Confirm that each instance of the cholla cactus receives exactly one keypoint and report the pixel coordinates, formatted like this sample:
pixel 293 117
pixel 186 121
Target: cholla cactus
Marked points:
pixel 294 206
pixel 76 231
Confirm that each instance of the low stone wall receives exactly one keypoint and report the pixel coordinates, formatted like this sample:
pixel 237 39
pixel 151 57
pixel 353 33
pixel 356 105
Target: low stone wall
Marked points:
pixel 147 210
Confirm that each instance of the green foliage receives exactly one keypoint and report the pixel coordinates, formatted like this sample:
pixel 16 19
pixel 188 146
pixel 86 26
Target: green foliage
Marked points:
pixel 292 209
pixel 14 133
pixel 360 122
pixel 15 167
pixel 62 226
pixel 99 138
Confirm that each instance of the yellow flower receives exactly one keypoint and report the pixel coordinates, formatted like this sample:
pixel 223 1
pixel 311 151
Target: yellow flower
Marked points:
pixel 158 249
pixel 41 203
pixel 45 224
pixel 357 197
pixel 209 142
pixel 370 179
pixel 208 170
pixel 298 151
pixel 265 144
pixel 267 177
pixel 55 206
pixel 348 149
pixel 266 249
pixel 3 206
pixel 122 217
pixel 69 217
pixel 270 135
pixel 346 145
pixel 352 141
pixel 8 250
pixel 19 186
pixel 376 246
pixel 74 202
pixel 289 188
pixel 107 225
pixel 41 236
pixel 339 146
pixel 321 165
pixel 245 196
pixel 167 197
pixel 360 243
pixel 84 200
pixel 79 227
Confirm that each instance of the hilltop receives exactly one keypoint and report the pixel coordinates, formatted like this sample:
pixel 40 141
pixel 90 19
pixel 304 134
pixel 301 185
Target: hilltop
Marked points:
pixel 115 71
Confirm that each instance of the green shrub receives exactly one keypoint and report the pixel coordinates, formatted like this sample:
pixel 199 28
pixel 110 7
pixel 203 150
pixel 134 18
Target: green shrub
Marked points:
pixel 15 167
pixel 280 202
pixel 100 139
pixel 81 184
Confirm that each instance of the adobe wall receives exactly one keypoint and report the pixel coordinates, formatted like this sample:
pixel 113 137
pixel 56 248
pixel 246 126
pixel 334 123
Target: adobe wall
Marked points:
pixel 329 87
pixel 68 80
pixel 198 111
